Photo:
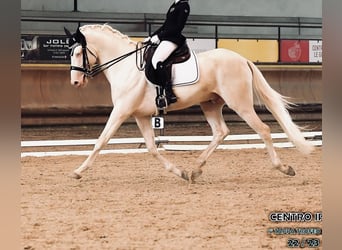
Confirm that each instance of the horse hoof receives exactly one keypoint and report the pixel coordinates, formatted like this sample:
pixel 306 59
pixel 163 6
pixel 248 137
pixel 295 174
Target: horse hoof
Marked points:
pixel 290 171
pixel 185 175
pixel 195 174
pixel 286 169
pixel 75 176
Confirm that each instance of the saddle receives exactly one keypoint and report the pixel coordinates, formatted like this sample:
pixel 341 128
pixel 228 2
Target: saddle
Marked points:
pixel 181 54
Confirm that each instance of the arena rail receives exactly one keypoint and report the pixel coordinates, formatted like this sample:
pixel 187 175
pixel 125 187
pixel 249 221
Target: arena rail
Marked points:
pixel 246 141
pixel 151 19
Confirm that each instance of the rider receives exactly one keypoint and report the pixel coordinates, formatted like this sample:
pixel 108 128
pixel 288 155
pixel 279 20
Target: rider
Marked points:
pixel 169 37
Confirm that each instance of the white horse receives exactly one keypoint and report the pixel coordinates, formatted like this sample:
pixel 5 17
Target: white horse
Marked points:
pixel 225 78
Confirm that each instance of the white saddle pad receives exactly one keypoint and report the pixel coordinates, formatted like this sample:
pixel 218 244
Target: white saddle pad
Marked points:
pixel 186 73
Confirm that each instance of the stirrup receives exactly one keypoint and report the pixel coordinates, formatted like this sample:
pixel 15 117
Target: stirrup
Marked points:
pixel 161 102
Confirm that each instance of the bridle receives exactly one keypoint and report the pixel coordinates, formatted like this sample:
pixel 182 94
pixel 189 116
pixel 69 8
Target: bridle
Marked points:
pixel 89 71
pixel 86 65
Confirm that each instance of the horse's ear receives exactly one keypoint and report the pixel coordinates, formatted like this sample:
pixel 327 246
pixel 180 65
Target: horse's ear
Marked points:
pixel 67 32
pixel 78 32
pixel 80 37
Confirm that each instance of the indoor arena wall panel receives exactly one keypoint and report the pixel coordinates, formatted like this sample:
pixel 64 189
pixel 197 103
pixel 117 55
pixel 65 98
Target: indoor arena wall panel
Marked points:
pixel 48 90
pixel 254 50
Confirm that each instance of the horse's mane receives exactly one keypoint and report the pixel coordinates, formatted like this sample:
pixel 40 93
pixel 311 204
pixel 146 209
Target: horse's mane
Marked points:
pixel 106 27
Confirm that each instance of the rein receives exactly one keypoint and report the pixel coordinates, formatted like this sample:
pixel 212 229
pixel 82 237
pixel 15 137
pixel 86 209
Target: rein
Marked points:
pixel 91 72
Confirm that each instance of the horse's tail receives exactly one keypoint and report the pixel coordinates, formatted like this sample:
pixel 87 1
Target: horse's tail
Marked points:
pixel 277 105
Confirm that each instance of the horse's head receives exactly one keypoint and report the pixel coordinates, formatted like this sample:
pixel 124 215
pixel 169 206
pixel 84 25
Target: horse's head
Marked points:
pixel 82 58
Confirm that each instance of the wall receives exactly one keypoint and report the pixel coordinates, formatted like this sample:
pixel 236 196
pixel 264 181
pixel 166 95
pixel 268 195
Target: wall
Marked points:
pixel 60 5
pixel 48 89
pixel 281 8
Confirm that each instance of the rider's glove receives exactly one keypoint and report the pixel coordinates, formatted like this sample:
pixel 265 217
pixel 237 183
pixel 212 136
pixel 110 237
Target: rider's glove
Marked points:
pixel 155 39
pixel 147 40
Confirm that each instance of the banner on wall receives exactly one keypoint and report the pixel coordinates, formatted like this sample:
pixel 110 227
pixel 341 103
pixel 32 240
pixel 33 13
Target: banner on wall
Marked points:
pixel 302 51
pixel 200 44
pixel 294 51
pixel 261 51
pixel 47 48
pixel 315 51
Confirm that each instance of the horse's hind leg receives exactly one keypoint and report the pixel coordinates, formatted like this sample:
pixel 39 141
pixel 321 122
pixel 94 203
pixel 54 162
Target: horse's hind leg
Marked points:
pixel 263 130
pixel 213 113
pixel 144 124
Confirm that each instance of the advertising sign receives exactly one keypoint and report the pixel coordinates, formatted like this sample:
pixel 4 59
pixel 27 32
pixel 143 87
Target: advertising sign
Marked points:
pixel 253 49
pixel 47 48
pixel 315 51
pixel 294 51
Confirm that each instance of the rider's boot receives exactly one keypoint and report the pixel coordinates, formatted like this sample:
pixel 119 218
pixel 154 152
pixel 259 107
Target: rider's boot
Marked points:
pixel 170 95
pixel 165 81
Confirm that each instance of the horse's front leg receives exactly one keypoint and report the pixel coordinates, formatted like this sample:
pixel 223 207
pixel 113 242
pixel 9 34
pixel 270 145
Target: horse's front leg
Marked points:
pixel 116 118
pixel 144 124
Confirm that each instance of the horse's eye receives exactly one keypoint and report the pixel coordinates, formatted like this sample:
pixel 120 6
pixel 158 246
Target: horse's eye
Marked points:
pixel 72 49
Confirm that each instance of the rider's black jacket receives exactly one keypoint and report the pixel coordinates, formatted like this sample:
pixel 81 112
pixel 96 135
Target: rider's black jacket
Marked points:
pixel 176 18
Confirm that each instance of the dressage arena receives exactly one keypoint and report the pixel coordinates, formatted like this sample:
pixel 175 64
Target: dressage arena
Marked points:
pixel 128 201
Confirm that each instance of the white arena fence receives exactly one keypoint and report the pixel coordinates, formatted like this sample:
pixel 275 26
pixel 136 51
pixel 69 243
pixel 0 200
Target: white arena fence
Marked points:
pixel 169 143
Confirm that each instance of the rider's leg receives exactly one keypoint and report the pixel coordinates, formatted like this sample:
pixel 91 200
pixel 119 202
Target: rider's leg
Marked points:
pixel 163 51
pixel 165 78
